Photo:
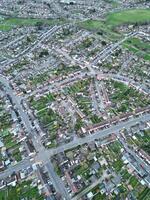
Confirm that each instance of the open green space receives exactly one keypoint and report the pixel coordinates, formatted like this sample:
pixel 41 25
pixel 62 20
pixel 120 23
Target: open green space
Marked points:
pixel 16 154
pixel 115 147
pixel 39 79
pixel 82 170
pixel 100 27
pixel 145 46
pixel 138 47
pixel 117 165
pixel 106 27
pixel 7 24
pixel 4 133
pixel 128 17
pixel 92 25
pixel 79 124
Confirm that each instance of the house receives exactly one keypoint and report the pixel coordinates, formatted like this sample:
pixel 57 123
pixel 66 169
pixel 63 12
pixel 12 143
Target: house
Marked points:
pixel 147 180
pixel 11 180
pixel 109 185
pixel 90 195
pixel 92 146
pixel 116 180
pixel 2 184
pixel 95 166
pixel 30 148
pixel 1 144
pixel 2 165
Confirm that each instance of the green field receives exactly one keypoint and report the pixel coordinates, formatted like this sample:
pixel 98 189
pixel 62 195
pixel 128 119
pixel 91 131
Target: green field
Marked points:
pixel 7 24
pixel 118 18
pixel 92 24
pixel 128 16
pixel 100 27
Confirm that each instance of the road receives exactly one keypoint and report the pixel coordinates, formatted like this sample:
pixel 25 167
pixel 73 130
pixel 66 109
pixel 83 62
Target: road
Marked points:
pixel 104 176
pixel 99 134
pixel 13 42
pixel 138 159
pixel 101 56
pixel 88 189
pixel 99 89
pixel 56 86
pixel 43 156
pixel 32 47
pixel 87 139
pixel 24 164
pixel 138 86
pixel 110 49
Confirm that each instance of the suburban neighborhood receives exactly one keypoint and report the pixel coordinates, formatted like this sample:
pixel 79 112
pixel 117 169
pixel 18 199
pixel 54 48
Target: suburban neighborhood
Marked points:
pixel 74 100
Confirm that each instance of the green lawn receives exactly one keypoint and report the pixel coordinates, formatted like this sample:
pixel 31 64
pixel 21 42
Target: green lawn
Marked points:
pixel 81 169
pixel 133 181
pixel 9 141
pixel 125 175
pixel 118 165
pixel 144 195
pixel 115 147
pixel 99 196
pixel 139 43
pixel 4 133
